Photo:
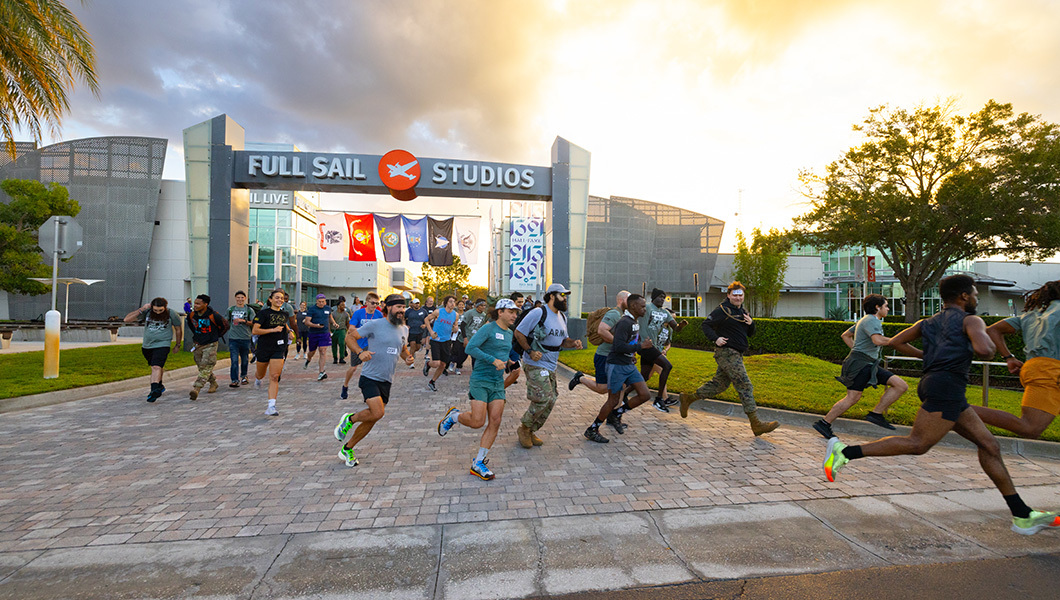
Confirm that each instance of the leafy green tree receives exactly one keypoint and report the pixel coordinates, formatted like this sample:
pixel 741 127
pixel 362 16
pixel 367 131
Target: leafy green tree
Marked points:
pixel 439 281
pixel 760 266
pixel 43 51
pixel 32 203
pixel 929 187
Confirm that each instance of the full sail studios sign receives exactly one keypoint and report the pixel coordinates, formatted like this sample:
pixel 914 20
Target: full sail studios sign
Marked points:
pixel 398 172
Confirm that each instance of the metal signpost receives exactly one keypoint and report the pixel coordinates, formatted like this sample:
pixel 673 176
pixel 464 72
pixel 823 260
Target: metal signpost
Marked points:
pixel 63 236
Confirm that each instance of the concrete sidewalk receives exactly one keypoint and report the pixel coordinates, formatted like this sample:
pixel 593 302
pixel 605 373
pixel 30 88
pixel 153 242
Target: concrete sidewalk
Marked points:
pixel 113 497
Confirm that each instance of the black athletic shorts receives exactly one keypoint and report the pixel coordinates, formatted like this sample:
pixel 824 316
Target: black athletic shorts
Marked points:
pixel 156 357
pixel 861 380
pixel 417 337
pixel 442 351
pixel 371 388
pixel 648 356
pixel 266 352
pixel 943 391
pixel 600 367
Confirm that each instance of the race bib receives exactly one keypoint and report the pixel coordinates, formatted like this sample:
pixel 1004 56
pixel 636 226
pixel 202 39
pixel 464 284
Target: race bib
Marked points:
pixel 391 350
pixel 500 336
pixel 279 342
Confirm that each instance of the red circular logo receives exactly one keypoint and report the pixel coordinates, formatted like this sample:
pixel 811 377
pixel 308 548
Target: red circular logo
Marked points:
pixel 399 170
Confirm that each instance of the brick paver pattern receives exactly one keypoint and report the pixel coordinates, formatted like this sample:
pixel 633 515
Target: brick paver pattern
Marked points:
pixel 116 469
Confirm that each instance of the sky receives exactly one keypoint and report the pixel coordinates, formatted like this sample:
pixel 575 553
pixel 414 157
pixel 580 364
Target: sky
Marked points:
pixel 712 106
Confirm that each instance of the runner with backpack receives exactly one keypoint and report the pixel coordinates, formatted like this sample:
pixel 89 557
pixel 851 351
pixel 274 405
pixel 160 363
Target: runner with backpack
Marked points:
pixel 599 326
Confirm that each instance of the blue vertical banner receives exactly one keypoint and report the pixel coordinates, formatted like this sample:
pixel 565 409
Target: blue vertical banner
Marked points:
pixel 416 238
pixel 389 230
pixel 527 254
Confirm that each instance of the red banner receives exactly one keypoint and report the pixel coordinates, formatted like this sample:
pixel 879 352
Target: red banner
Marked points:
pixel 362 237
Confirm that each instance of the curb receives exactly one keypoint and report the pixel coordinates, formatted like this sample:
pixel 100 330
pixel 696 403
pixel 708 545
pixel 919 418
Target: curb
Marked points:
pixel 8 405
pixel 788 418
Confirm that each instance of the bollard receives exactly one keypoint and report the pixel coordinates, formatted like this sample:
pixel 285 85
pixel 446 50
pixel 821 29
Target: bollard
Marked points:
pixel 51 344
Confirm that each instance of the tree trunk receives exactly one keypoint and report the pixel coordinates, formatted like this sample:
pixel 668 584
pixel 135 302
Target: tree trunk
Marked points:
pixel 913 291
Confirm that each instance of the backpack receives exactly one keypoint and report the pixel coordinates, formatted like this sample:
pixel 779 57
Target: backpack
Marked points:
pixel 594 325
pixel 540 322
pixel 219 321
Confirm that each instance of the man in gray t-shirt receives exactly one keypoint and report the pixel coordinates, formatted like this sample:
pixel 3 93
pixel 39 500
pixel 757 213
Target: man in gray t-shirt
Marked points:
pixel 387 339
pixel 540 342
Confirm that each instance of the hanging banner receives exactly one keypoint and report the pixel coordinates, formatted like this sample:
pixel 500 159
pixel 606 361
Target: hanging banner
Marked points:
pixel 416 238
pixel 362 238
pixel 332 243
pixel 527 254
pixel 389 229
pixel 467 231
pixel 440 238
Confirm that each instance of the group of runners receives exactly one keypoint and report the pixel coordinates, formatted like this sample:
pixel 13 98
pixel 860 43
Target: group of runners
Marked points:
pixel 512 339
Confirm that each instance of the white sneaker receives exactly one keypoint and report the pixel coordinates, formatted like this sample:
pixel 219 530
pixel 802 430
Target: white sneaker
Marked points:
pixel 322 376
pixel 271 411
pixel 456 372
pixel 257 383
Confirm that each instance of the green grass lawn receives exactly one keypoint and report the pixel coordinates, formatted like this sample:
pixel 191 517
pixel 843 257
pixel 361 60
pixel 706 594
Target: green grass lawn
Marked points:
pixel 22 374
pixel 801 383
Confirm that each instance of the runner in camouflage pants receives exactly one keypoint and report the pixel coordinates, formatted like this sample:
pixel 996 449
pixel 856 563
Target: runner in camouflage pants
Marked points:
pixel 541 391
pixel 205 358
pixel 730 371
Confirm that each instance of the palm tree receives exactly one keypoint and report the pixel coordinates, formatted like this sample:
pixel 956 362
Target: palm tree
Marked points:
pixel 43 51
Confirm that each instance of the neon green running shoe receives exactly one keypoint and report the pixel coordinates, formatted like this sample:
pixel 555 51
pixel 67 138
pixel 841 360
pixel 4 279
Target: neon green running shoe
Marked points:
pixel 343 427
pixel 1035 523
pixel 834 459
pixel 347 455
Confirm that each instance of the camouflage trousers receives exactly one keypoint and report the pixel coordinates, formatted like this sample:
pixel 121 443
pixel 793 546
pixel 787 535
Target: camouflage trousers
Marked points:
pixel 541 392
pixel 730 372
pixel 205 358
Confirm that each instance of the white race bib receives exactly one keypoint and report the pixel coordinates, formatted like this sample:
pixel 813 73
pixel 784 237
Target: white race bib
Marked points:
pixel 391 350
pixel 500 336
pixel 279 342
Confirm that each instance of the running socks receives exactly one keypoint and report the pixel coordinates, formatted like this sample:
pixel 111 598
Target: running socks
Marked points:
pixel 481 454
pixel 852 452
pixel 596 423
pixel 1016 505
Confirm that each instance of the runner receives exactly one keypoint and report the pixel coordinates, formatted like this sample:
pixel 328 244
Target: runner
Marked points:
pixel 318 319
pixel 951 339
pixel 441 325
pixel 514 368
pixel 470 323
pixel 341 320
pixel 207 327
pixel 240 316
pixel 622 370
pixel 415 315
pixel 302 341
pixel 386 340
pixel 1040 375
pixel 488 347
pixel 604 330
pixel 272 326
pixel 369 312
pixel 655 320
pixel 861 368
pixel 729 326
pixel 457 356
pixel 541 334
pixel 161 323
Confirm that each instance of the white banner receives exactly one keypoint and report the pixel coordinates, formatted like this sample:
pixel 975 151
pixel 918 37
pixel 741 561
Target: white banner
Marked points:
pixel 332 243
pixel 467 233
pixel 526 259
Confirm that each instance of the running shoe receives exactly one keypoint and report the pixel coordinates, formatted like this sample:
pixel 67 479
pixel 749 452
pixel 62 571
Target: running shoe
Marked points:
pixel 343 427
pixel 431 386
pixel 448 421
pixel 161 388
pixel 1036 522
pixel 574 381
pixel 234 384
pixel 347 455
pixel 345 393
pixel 671 401
pixel 342 361
pixel 322 376
pixel 306 365
pixel 244 381
pixel 615 420
pixel 271 411
pixel 412 366
pixel 456 372
pixel 593 435
pixel 834 459
pixel 660 405
pixel 426 368
pixel 257 383
pixel 153 395
pixel 824 428
pixel 445 371
pixel 878 420
pixel 479 468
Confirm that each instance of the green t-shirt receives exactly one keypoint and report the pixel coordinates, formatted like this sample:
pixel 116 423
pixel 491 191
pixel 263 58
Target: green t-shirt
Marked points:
pixel 868 326
pixel 241 331
pixel 1040 330
pixel 653 322
pixel 159 334
pixel 610 318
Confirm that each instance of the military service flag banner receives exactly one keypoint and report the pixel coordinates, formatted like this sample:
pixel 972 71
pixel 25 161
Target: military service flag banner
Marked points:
pixel 467 230
pixel 389 229
pixel 362 238
pixel 416 238
pixel 440 239
pixel 333 245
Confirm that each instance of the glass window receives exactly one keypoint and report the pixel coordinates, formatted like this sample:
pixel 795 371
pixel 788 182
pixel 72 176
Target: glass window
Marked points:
pixel 283 218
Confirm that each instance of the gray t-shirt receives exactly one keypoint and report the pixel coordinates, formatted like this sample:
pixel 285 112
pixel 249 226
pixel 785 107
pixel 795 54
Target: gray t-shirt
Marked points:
pixel 243 330
pixel 1040 330
pixel 159 334
pixel 868 326
pixel 653 322
pixel 385 341
pixel 610 318
pixel 555 331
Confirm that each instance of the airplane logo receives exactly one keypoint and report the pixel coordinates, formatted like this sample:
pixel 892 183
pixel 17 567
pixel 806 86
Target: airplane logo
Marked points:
pixel 400 170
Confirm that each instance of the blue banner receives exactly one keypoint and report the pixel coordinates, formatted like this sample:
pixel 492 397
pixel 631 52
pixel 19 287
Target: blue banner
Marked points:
pixel 389 229
pixel 416 238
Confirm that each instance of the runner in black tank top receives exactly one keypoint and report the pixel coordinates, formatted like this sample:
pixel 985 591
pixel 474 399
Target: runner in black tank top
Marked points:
pixel 950 339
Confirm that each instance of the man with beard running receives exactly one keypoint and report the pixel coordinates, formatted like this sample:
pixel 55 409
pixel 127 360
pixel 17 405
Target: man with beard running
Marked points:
pixel 370 311
pixel 385 341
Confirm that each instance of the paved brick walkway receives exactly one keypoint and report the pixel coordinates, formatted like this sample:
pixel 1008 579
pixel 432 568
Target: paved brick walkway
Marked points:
pixel 117 470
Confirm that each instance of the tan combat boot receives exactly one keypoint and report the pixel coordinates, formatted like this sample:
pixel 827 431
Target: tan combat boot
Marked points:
pixel 536 440
pixel 759 427
pixel 213 387
pixel 686 401
pixel 524 436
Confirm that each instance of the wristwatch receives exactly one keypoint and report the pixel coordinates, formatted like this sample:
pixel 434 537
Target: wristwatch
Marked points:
pixel 1008 356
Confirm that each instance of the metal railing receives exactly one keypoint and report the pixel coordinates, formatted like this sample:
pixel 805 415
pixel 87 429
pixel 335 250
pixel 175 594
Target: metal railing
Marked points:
pixel 986 371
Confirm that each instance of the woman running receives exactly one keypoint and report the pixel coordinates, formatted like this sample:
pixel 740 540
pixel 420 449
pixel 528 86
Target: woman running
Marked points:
pixel 161 323
pixel 489 347
pixel 302 343
pixel 272 329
